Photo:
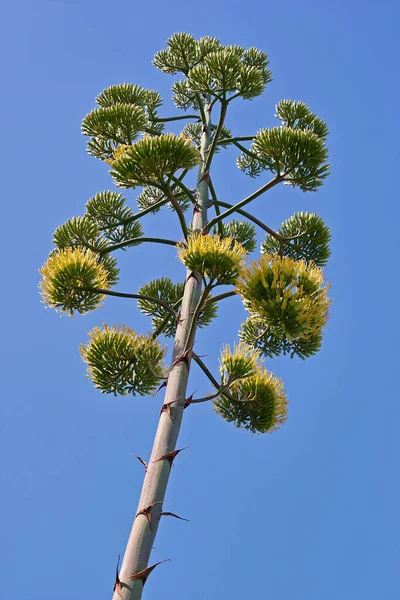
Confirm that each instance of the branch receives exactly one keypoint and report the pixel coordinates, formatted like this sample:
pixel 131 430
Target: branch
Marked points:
pixel 139 240
pixel 167 319
pixel 210 376
pixel 211 151
pixel 148 210
pixel 216 206
pixel 135 297
pixel 246 151
pixel 193 322
pixel 179 212
pixel 185 189
pixel 262 225
pixel 261 190
pixel 178 118
pixel 245 138
pixel 220 297
pixel 204 399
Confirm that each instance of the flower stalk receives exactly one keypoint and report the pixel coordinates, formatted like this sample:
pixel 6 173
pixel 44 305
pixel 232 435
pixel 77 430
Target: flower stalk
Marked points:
pixel 155 483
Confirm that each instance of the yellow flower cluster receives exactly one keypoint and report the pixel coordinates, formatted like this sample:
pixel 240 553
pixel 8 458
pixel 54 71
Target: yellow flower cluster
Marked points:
pixel 68 276
pixel 220 260
pixel 264 399
pixel 118 152
pixel 122 362
pixel 288 295
pixel 256 399
pixel 242 361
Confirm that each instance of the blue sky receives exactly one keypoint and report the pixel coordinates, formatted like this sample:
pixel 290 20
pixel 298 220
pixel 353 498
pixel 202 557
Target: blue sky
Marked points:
pixel 310 512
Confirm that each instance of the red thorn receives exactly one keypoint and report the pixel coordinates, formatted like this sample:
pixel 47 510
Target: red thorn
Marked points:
pixel 185 357
pixel 146 512
pixel 188 401
pixel 118 585
pixel 167 408
pixel 170 456
pixel 144 463
pixel 205 177
pixel 143 575
pixel 164 384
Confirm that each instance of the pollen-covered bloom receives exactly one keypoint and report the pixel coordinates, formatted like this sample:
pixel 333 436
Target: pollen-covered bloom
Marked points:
pixel 288 296
pixel 69 277
pixel 122 362
pixel 118 152
pixel 220 260
pixel 243 361
pixel 257 402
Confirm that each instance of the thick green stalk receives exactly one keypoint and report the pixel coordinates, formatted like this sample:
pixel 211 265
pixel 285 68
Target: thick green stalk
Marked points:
pixel 148 515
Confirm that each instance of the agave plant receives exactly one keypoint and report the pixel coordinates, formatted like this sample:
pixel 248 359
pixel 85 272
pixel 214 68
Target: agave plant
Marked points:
pixel 283 291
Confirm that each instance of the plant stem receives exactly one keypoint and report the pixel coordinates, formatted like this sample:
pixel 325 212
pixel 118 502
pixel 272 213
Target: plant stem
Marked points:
pixel 217 133
pixel 178 118
pixel 183 187
pixel 245 138
pixel 135 297
pixel 221 297
pixel 137 241
pixel 261 190
pixel 178 211
pixel 143 533
pixel 216 206
pixel 262 225
pixel 148 210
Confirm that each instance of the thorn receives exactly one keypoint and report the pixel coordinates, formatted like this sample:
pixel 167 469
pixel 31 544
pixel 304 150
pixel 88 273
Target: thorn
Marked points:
pixel 170 456
pixel 146 512
pixel 171 514
pixel 185 357
pixel 188 401
pixel 164 384
pixel 205 176
pixel 167 408
pixel 143 575
pixel 140 459
pixel 118 585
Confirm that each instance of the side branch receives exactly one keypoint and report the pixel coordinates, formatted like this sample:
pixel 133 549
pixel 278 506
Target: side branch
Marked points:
pixel 217 133
pixel 246 138
pixel 261 190
pixel 185 189
pixel 221 389
pixel 148 210
pixel 135 297
pixel 179 212
pixel 220 297
pixel 138 241
pixel 262 225
pixel 178 118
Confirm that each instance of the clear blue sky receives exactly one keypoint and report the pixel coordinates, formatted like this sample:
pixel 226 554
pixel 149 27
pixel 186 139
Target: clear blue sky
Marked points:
pixel 310 512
